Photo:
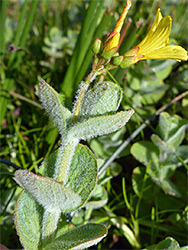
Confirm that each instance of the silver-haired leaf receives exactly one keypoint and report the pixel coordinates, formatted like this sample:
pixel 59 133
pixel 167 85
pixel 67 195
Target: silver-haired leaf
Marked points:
pixel 100 125
pixel 49 193
pixel 104 98
pixel 79 238
pixel 82 173
pixel 28 220
pixel 52 103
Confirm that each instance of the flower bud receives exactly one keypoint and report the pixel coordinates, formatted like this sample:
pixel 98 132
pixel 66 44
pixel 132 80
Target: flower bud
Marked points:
pixel 95 61
pixel 111 45
pixel 107 52
pixel 97 46
pixel 117 60
pixel 132 52
pixel 116 54
pixel 127 62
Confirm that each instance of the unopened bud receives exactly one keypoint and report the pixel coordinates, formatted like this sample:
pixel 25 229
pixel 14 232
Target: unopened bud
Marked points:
pixel 132 52
pixel 116 54
pixel 96 60
pixel 108 53
pixel 117 60
pixel 97 46
pixel 127 62
pixel 111 45
pixel 109 66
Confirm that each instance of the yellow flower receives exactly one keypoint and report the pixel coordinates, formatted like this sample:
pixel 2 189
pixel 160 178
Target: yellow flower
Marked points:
pixel 112 41
pixel 155 44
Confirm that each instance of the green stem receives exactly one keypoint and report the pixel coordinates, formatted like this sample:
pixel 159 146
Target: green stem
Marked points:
pixel 64 159
pixel 66 151
pixel 78 103
pixel 49 225
pixel 83 89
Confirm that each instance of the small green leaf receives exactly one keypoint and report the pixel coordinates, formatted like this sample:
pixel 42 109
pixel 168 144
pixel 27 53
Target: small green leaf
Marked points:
pixel 106 145
pixel 99 198
pixel 171 128
pixel 143 186
pixel 182 152
pixel 162 144
pixel 63 226
pixel 79 238
pixel 152 94
pixel 28 219
pixel 100 125
pixel 146 153
pixel 52 102
pixel 103 99
pixel 49 193
pixel 167 151
pixel 167 244
pixel 178 136
pixel 163 126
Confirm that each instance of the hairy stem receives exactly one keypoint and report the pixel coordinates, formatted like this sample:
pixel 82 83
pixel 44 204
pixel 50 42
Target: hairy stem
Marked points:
pixel 65 155
pixel 78 103
pixel 83 89
pixel 49 225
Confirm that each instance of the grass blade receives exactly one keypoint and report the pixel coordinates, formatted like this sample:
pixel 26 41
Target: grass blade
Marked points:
pixel 19 30
pixel 85 63
pixel 81 47
pixel 3 11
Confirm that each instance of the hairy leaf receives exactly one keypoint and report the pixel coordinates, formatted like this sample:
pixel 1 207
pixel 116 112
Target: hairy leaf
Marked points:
pixel 49 193
pixel 82 173
pixel 28 219
pixel 103 99
pixel 100 125
pixel 79 238
pixel 54 106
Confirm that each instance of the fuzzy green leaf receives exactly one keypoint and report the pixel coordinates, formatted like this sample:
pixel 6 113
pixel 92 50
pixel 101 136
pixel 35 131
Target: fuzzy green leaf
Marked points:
pixel 79 238
pixel 28 219
pixel 103 99
pixel 82 173
pixel 100 125
pixel 54 106
pixel 49 193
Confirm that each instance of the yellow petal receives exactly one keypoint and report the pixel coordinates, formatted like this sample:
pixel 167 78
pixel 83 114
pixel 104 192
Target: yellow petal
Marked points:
pixel 121 19
pixel 157 20
pixel 114 42
pixel 169 52
pixel 159 38
pixel 153 27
